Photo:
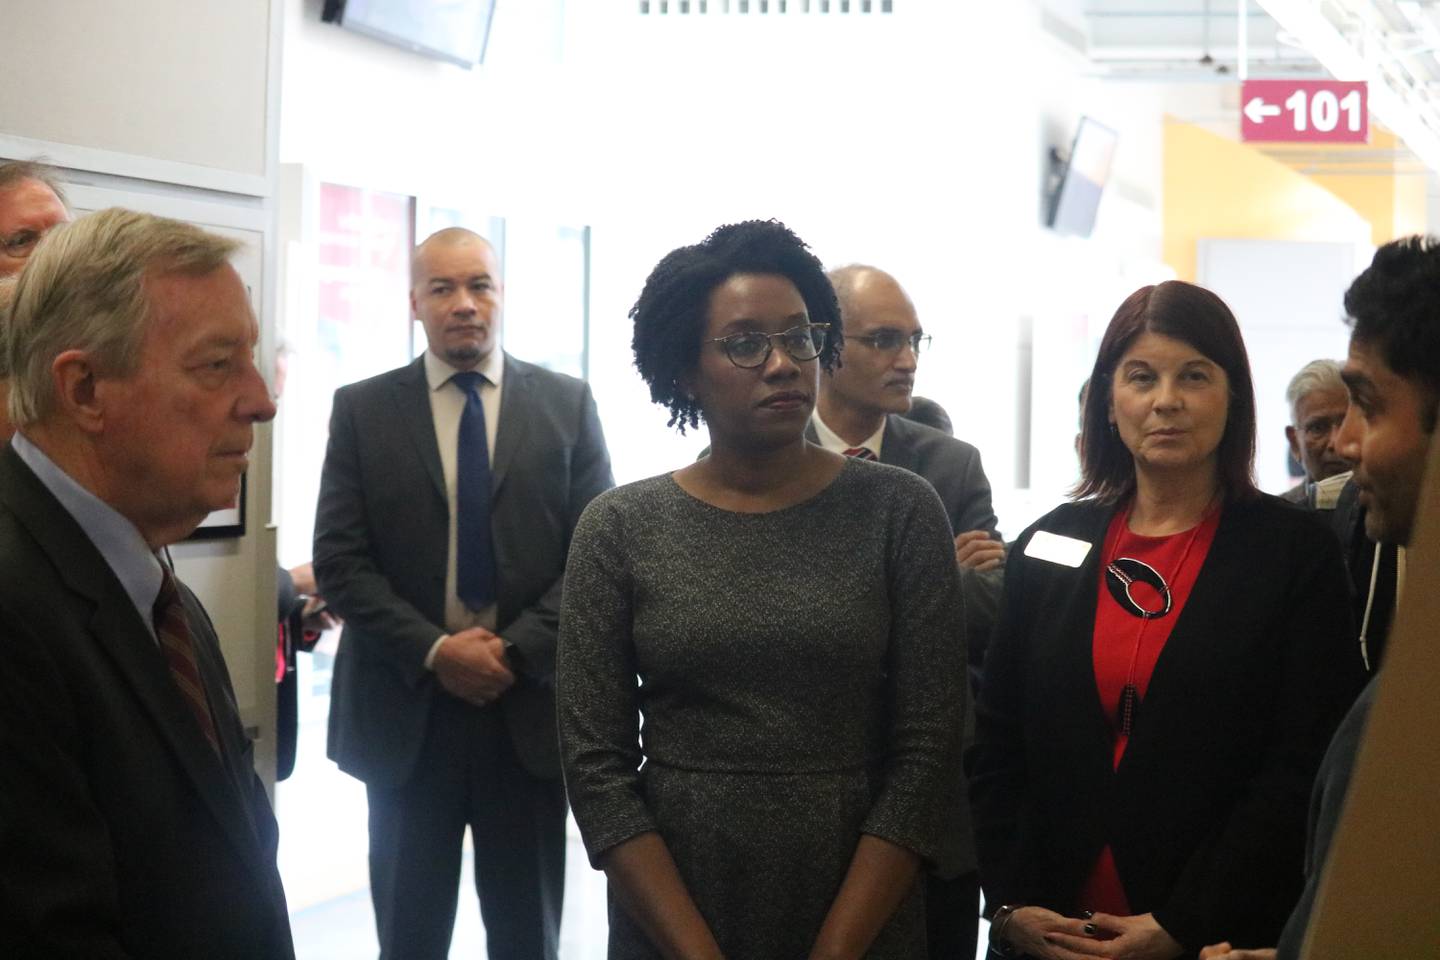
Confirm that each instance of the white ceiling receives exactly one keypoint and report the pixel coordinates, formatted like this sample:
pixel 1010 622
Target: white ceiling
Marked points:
pixel 1182 40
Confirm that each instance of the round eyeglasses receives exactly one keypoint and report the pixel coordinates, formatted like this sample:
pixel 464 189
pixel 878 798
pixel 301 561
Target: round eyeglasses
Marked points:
pixel 752 348
pixel 890 341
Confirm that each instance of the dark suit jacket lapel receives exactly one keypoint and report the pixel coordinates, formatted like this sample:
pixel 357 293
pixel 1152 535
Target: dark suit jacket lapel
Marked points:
pixel 514 415
pixel 234 742
pixel 118 630
pixel 897 447
pixel 412 397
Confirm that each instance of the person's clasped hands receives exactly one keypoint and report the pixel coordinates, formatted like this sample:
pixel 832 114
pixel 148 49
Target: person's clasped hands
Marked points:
pixel 1047 935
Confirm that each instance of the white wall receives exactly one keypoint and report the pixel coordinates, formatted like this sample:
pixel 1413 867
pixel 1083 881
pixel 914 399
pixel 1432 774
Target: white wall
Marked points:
pixel 1288 296
pixel 914 141
pixel 163 90
pixel 169 106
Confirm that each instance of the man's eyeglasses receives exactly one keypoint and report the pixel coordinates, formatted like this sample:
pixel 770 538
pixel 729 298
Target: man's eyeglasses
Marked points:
pixel 21 244
pixel 890 341
pixel 752 348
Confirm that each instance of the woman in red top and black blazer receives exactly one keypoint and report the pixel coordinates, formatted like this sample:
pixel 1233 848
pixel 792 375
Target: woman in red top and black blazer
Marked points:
pixel 1173 653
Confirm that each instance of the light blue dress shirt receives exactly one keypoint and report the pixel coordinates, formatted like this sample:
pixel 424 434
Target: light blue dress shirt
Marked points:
pixel 127 553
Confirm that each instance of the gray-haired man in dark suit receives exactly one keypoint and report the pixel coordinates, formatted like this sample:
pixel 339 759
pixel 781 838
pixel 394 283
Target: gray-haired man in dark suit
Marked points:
pixel 450 490
pixel 132 823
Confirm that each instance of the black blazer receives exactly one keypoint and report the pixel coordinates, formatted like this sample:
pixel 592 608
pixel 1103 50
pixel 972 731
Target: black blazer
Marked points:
pixel 121 832
pixel 1206 813
pixel 381 537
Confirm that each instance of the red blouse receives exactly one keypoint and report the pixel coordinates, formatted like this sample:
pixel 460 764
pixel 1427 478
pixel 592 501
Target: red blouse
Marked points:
pixel 1126 646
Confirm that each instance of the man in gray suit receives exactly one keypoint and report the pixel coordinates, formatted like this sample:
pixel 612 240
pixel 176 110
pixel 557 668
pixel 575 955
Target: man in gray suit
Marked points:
pixel 861 403
pixel 859 412
pixel 450 491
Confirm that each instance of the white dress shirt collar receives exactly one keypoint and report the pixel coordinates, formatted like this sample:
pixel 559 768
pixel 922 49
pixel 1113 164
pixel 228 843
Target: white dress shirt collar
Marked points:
pixel 438 372
pixel 831 440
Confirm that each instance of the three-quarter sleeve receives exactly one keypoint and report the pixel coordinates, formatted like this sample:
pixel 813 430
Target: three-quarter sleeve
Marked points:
pixel 926 682
pixel 596 685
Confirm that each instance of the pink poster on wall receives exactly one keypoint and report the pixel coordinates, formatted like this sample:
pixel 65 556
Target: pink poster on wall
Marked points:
pixel 364 243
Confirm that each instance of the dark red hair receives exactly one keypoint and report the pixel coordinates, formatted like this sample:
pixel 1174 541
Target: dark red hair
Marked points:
pixel 1194 315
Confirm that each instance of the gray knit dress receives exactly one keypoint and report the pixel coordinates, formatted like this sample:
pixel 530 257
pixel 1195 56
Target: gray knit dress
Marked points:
pixel 800 676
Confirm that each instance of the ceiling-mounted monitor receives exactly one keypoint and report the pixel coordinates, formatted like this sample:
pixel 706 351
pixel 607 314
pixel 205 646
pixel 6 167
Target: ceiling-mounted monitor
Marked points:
pixel 1077 198
pixel 456 31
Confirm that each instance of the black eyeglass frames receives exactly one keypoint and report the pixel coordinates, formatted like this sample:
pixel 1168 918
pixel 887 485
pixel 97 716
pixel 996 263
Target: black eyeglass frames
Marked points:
pixel 752 348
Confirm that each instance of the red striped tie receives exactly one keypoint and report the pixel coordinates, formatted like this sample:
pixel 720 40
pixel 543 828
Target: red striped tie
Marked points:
pixel 861 453
pixel 173 631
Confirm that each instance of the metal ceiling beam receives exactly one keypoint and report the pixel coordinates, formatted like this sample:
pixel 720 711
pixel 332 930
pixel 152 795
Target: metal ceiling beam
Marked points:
pixel 1352 45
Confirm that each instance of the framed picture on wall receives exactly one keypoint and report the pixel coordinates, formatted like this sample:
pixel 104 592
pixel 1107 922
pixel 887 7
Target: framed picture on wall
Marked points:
pixel 224 524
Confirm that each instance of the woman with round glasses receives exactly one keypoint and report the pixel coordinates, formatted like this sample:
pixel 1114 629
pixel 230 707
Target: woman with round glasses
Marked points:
pixel 786 622
pixel 1173 653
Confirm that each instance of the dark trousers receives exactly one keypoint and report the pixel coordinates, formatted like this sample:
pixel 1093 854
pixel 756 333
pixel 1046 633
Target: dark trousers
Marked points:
pixel 952 916
pixel 468 775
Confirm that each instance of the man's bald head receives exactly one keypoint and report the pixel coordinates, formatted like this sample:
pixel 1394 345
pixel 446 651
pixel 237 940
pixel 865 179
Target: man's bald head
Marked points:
pixel 878 369
pixel 455 291
pixel 445 238
pixel 857 285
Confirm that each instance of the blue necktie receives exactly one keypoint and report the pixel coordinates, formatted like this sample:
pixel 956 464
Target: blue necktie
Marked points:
pixel 474 549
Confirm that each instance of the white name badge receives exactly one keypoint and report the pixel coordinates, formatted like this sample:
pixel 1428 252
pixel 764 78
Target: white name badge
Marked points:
pixel 1066 551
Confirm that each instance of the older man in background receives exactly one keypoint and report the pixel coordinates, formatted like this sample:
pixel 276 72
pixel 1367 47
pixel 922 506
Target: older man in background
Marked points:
pixel 32 202
pixel 1318 401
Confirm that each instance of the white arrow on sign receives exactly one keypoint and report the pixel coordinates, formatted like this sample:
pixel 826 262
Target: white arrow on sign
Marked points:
pixel 1257 110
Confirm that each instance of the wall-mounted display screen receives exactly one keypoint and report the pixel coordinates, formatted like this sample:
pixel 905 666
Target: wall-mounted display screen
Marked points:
pixel 1076 201
pixel 453 30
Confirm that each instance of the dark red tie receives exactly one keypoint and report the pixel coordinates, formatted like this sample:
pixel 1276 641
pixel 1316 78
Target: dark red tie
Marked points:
pixel 173 631
pixel 861 453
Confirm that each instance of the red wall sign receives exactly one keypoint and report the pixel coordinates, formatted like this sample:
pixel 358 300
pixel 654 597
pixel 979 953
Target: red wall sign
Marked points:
pixel 1324 111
